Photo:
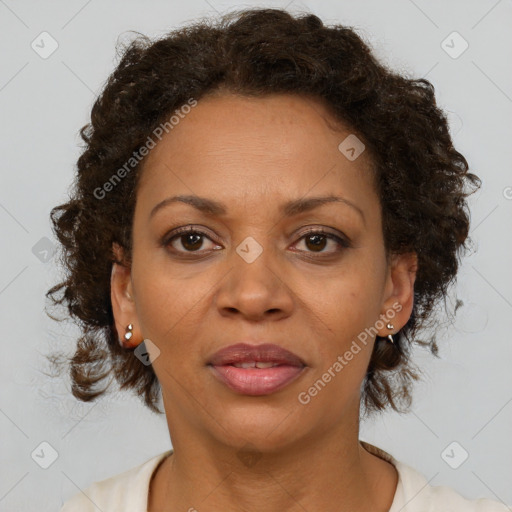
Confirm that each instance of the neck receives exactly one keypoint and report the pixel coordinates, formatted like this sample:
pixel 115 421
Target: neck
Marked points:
pixel 330 473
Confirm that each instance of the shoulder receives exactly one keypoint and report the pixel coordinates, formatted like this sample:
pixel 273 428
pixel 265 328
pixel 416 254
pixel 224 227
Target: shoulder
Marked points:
pixel 127 491
pixel 415 494
pixel 419 495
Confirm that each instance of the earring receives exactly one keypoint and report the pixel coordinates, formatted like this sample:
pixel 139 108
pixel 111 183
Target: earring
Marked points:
pixel 390 337
pixel 129 332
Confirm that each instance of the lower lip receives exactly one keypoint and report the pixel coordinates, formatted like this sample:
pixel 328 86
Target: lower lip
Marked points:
pixel 256 381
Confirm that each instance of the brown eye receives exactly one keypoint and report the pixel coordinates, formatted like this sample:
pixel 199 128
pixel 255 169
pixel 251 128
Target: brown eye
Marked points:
pixel 191 240
pixel 318 240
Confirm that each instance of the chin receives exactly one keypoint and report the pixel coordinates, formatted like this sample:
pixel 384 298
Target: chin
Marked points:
pixel 265 428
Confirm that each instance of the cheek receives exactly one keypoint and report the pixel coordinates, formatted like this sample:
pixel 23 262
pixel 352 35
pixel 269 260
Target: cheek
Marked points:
pixel 348 306
pixel 168 307
pixel 344 355
pixel 349 310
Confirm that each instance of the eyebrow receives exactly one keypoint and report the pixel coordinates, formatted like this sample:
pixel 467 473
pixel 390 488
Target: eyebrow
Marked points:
pixel 288 209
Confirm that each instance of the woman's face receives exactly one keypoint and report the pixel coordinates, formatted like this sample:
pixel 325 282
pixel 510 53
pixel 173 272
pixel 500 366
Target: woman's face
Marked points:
pixel 251 275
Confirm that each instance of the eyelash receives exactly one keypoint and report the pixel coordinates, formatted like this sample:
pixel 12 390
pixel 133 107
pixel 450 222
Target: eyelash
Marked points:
pixel 344 243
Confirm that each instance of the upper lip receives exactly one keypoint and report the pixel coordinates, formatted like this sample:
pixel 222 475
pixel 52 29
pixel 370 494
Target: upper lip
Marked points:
pixel 265 352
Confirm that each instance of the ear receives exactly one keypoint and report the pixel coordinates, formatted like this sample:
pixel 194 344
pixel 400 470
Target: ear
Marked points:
pixel 123 304
pixel 399 292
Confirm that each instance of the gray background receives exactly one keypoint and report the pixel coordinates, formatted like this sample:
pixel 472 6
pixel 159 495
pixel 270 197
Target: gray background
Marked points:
pixel 465 396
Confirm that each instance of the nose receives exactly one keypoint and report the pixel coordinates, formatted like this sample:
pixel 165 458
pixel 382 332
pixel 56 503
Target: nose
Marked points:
pixel 256 290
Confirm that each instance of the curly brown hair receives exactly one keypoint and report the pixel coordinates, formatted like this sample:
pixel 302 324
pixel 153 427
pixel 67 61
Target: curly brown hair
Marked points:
pixel 420 178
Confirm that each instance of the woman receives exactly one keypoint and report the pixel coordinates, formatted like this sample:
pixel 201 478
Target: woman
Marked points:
pixel 264 218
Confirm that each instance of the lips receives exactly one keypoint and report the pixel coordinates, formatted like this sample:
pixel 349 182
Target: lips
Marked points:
pixel 256 369
pixel 265 353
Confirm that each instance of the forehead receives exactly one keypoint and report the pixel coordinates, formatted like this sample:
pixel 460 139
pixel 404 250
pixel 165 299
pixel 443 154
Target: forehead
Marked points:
pixel 230 145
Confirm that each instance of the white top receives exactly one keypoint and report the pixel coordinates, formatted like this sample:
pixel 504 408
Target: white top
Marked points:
pixel 128 491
